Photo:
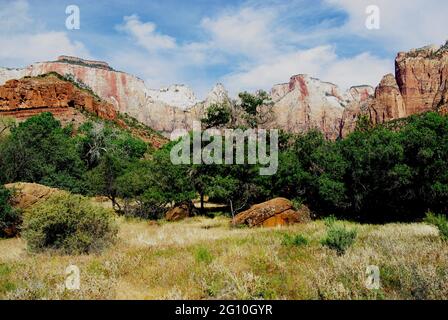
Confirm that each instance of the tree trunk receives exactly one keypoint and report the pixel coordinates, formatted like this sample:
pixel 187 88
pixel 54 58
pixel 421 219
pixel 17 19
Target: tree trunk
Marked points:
pixel 202 204
pixel 233 213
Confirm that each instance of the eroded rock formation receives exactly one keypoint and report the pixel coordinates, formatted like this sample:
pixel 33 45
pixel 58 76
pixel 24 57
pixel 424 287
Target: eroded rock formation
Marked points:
pixel 419 85
pixel 29 96
pixel 306 103
pixel 163 110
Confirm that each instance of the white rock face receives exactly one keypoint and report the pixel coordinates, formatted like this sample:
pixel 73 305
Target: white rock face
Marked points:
pixel 306 103
pixel 179 96
pixel 218 95
pixel 8 74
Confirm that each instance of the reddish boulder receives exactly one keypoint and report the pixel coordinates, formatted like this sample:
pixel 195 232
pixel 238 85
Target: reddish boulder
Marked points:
pixel 180 211
pixel 278 211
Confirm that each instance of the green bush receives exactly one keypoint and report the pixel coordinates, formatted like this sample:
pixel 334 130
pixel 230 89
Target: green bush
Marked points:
pixel 330 221
pixel 338 238
pixel 69 224
pixel 294 240
pixel 9 218
pixel 203 255
pixel 440 221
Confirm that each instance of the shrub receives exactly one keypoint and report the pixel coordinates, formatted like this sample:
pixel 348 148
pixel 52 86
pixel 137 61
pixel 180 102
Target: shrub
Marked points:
pixel 203 255
pixel 439 221
pixel 9 218
pixel 330 221
pixel 338 238
pixel 69 224
pixel 294 240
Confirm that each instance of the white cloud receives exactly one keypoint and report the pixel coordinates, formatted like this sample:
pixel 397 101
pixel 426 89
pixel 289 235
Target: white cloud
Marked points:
pixel 46 46
pixel 24 40
pixel 145 34
pixel 247 31
pixel 321 62
pixel 14 16
pixel 253 43
pixel 404 24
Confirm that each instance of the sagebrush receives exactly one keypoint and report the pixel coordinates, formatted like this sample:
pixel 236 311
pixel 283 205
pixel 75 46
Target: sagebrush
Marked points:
pixel 70 224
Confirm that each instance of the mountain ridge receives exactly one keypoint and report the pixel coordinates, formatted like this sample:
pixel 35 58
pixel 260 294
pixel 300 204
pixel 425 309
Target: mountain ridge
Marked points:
pixel 419 84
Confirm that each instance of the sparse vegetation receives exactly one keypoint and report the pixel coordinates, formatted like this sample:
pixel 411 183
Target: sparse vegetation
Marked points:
pixel 160 262
pixel 294 240
pixel 439 221
pixel 202 254
pixel 69 224
pixel 339 238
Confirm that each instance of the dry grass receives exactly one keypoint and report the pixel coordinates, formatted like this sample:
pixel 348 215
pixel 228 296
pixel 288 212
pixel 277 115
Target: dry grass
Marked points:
pixel 207 259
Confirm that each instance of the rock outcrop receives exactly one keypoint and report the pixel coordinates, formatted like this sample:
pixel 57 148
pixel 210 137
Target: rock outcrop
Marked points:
pixel 420 84
pixel 306 103
pixel 26 195
pixel 163 110
pixel 180 211
pixel 67 101
pixel 278 211
pixel 388 103
pixel 29 96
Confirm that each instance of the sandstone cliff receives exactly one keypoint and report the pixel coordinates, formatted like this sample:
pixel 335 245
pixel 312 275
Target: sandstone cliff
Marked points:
pixel 29 96
pixel 306 103
pixel 419 85
pixel 163 110
pixel 303 103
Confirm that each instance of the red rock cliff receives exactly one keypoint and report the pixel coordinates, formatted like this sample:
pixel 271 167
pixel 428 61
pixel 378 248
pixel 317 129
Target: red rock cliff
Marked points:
pixel 28 96
pixel 420 84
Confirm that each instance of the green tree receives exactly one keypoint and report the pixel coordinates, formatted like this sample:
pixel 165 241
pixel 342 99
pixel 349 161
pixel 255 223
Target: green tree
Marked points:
pixel 40 150
pixel 257 108
pixel 8 216
pixel 217 116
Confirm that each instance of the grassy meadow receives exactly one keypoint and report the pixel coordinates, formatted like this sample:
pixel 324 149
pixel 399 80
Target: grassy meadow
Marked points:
pixel 203 258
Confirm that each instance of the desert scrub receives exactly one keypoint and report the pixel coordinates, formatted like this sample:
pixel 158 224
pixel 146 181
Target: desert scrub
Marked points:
pixel 69 224
pixel 294 240
pixel 439 221
pixel 339 238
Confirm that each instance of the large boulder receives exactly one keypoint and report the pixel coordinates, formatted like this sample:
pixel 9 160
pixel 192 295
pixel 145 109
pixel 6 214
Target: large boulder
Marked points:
pixel 278 211
pixel 26 195
pixel 180 211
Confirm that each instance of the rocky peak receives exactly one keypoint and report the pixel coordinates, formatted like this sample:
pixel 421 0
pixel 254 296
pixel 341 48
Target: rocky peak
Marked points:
pixel 306 103
pixel 422 76
pixel 177 95
pixel 218 95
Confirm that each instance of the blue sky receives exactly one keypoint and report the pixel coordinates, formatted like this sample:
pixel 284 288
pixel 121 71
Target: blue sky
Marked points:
pixel 246 45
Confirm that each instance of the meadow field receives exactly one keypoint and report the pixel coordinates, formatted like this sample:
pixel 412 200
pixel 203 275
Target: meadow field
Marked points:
pixel 205 258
